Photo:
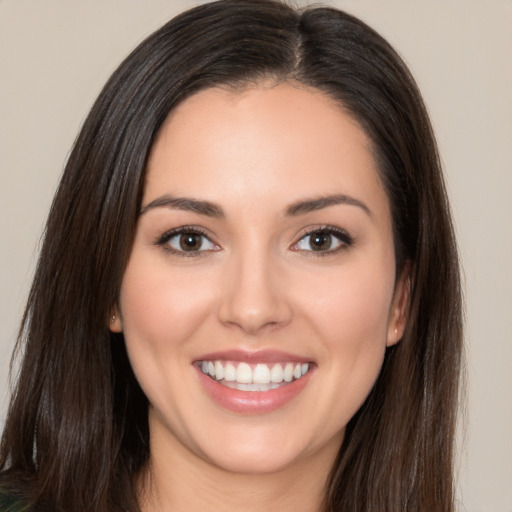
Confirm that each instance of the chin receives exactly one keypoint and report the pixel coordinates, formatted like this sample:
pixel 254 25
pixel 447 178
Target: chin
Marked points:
pixel 269 451
pixel 251 463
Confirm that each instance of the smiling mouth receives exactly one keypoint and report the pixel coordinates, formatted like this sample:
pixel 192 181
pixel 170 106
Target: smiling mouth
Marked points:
pixel 253 377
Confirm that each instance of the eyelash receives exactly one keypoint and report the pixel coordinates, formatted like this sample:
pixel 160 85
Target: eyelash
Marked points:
pixel 163 241
pixel 344 238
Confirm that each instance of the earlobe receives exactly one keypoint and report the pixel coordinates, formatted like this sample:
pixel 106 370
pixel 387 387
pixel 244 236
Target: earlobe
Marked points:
pixel 115 322
pixel 399 313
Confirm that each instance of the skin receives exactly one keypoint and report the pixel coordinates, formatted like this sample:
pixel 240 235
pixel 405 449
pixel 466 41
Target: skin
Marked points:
pixel 256 284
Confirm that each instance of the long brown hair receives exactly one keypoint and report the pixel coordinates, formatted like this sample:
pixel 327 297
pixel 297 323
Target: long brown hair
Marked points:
pixel 76 431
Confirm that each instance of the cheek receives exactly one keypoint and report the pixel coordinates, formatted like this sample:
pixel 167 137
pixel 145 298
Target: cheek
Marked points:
pixel 353 305
pixel 349 313
pixel 352 326
pixel 162 305
pixel 161 311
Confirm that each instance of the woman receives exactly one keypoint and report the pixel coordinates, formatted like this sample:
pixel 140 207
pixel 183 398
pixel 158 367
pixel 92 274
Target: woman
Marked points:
pixel 237 302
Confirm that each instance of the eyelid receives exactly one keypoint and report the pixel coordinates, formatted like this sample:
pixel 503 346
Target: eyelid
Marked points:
pixel 163 241
pixel 346 240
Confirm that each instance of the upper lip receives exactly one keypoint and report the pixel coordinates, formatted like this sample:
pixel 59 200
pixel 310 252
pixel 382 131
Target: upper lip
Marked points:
pixel 258 356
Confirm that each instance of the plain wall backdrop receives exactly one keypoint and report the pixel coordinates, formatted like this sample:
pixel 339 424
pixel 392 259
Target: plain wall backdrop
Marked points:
pixel 56 55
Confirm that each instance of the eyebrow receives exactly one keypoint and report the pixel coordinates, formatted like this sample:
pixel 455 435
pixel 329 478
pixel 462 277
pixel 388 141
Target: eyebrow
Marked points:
pixel 318 203
pixel 185 203
pixel 210 209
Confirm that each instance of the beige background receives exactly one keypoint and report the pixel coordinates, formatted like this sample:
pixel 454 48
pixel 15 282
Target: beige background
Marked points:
pixel 55 56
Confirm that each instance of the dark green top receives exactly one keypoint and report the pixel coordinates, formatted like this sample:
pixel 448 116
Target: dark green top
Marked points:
pixel 9 504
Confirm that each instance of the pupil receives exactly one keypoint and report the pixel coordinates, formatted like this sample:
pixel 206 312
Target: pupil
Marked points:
pixel 190 242
pixel 320 241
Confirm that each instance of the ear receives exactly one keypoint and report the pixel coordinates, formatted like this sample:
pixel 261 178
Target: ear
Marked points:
pixel 399 311
pixel 115 322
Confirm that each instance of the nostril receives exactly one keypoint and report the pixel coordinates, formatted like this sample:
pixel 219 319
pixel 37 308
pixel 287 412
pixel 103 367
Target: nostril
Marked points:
pixel 252 319
pixel 253 298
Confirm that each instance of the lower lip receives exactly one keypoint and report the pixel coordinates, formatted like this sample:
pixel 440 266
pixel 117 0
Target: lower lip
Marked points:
pixel 252 402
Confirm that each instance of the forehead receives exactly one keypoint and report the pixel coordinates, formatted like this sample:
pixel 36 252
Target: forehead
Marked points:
pixel 269 143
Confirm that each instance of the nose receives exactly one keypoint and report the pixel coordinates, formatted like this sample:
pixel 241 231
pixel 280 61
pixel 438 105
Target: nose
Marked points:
pixel 254 296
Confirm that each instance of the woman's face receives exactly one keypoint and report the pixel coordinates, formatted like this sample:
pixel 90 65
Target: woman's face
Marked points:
pixel 260 293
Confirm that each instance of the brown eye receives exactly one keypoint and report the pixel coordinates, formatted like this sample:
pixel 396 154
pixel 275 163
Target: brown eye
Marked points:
pixel 320 241
pixel 190 241
pixel 325 240
pixel 186 240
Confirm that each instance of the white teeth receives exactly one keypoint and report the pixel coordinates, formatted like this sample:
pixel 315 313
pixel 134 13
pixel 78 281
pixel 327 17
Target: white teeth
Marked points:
pixel 261 374
pixel 244 374
pixel 219 370
pixel 276 374
pixel 251 387
pixel 258 378
pixel 288 372
pixel 229 372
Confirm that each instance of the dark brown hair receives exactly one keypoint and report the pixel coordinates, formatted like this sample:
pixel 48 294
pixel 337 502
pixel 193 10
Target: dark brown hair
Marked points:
pixel 76 431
